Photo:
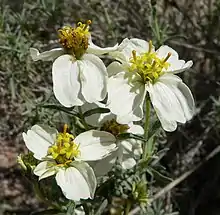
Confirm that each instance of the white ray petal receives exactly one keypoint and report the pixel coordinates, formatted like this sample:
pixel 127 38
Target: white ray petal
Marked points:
pixel 95 145
pixel 38 140
pixel 126 94
pixel 47 55
pixel 66 85
pixel 93 76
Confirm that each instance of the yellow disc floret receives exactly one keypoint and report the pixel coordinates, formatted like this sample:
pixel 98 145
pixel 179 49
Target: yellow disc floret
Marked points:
pixel 114 128
pixel 75 40
pixel 64 150
pixel 148 65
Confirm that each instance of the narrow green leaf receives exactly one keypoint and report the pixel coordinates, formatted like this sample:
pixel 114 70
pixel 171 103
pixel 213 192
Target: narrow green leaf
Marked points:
pixel 95 111
pixel 150 146
pixel 60 108
pixel 155 128
pixel 130 136
pixel 149 172
pixel 159 176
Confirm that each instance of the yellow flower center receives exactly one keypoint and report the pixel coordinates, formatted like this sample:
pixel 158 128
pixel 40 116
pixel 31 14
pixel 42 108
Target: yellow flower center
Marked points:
pixel 75 40
pixel 64 150
pixel 114 128
pixel 148 65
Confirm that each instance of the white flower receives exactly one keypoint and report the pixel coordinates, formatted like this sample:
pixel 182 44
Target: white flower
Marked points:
pixel 78 74
pixel 141 70
pixel 128 151
pixel 65 155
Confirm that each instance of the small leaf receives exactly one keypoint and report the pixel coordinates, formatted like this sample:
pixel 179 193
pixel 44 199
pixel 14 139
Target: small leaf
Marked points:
pixel 150 147
pixel 159 176
pixel 155 128
pixel 130 136
pixel 95 111
pixel 60 108
pixel 149 172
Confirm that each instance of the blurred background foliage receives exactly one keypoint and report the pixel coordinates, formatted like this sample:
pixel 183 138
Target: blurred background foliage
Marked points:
pixel 190 27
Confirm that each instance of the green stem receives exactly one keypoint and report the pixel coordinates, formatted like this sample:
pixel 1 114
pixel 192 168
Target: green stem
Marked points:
pixel 128 207
pixel 147 124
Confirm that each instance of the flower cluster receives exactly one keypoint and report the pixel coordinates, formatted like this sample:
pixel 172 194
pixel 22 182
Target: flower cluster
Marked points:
pixel 138 73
